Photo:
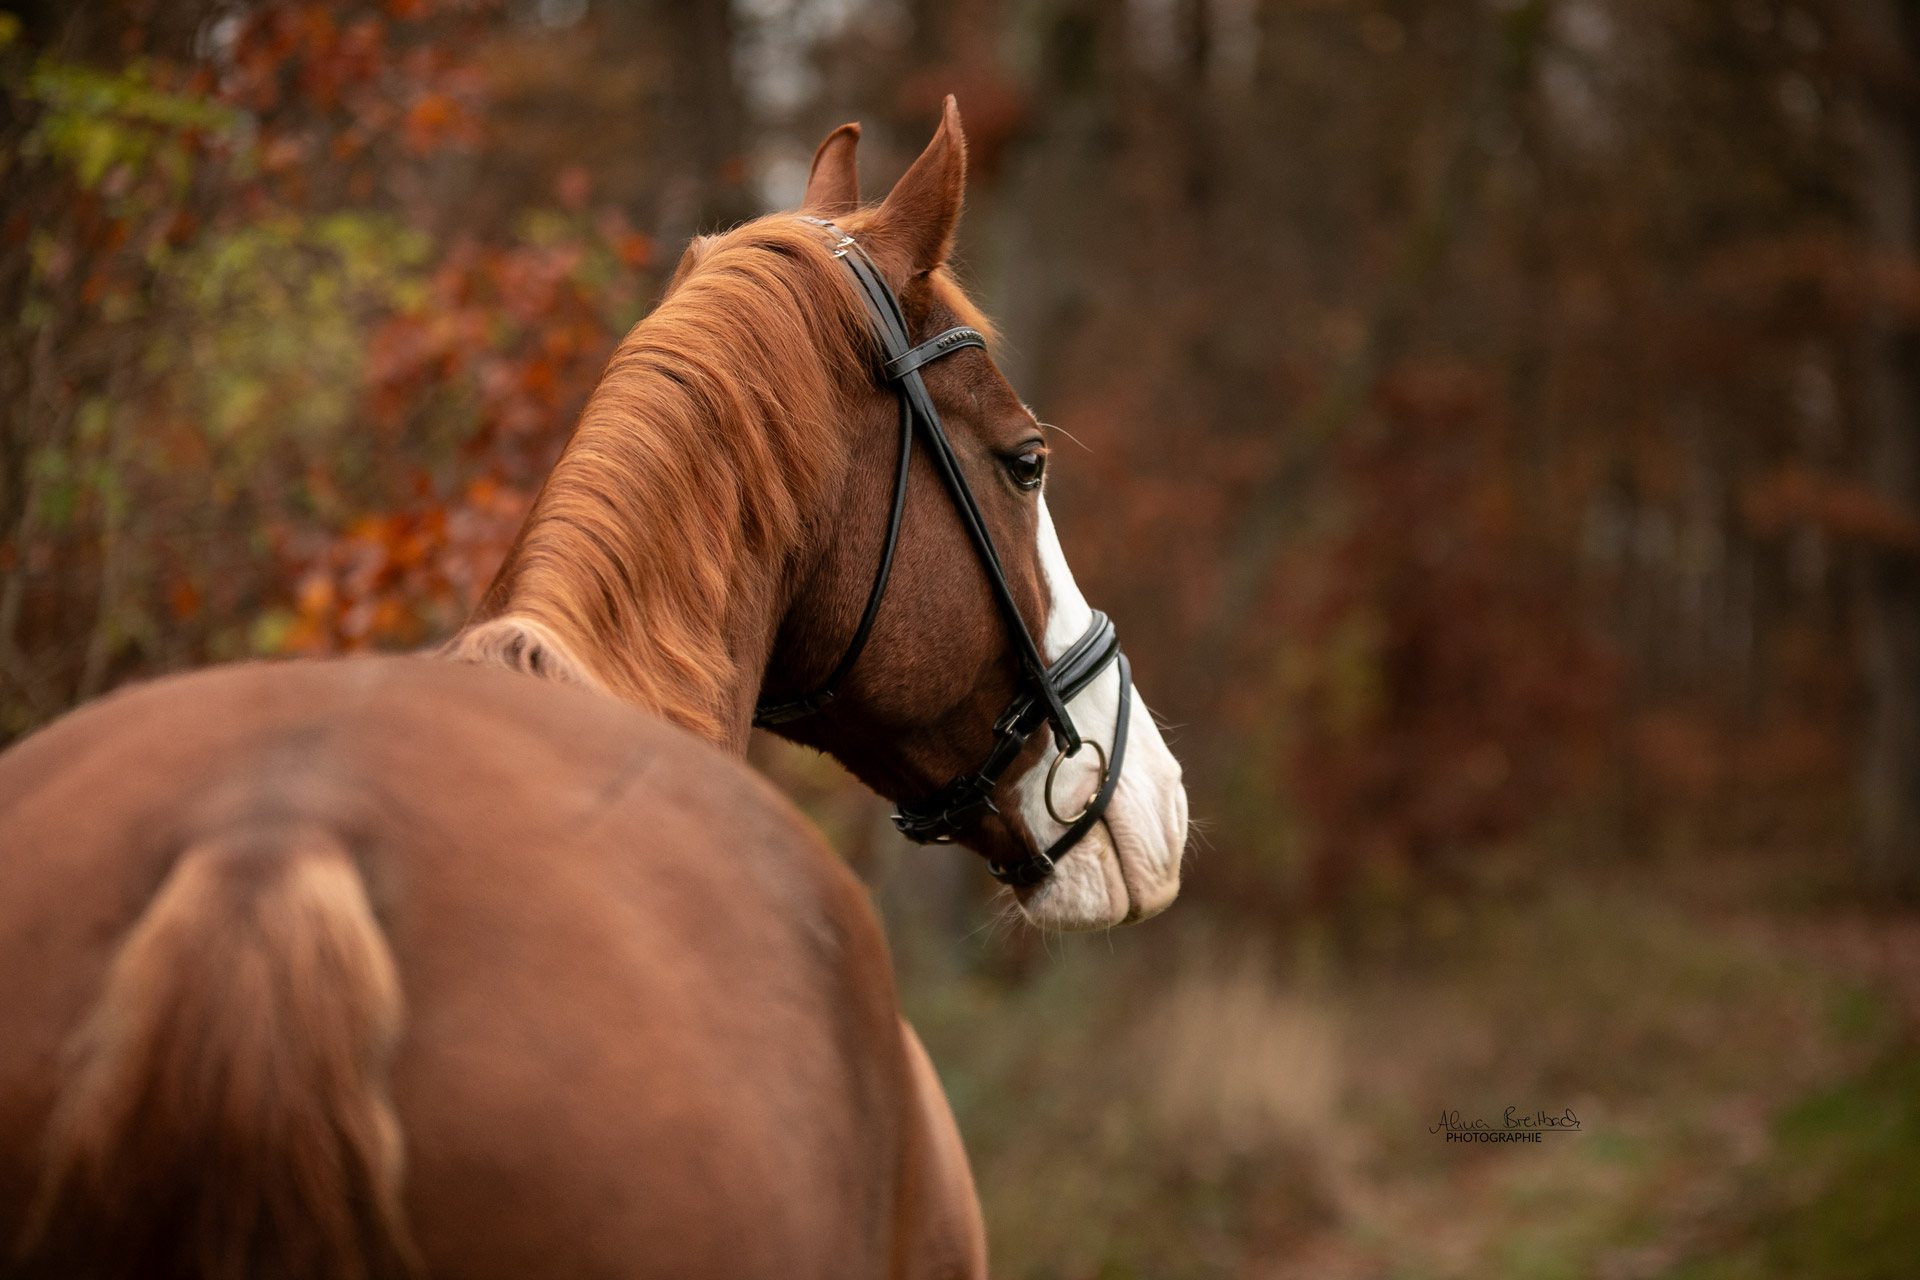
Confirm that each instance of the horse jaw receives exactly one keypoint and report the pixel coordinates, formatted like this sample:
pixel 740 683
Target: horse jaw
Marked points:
pixel 1128 866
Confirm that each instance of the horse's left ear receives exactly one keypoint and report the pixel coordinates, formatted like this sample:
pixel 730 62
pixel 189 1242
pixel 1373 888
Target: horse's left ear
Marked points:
pixel 914 225
pixel 833 184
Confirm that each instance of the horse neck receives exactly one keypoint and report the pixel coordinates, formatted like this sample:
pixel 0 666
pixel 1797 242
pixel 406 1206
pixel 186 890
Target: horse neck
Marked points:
pixel 656 562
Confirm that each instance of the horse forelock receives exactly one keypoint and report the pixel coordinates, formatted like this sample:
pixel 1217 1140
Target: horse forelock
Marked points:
pixel 695 463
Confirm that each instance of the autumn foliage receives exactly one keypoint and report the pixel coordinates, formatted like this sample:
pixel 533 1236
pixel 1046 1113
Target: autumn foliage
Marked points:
pixel 280 406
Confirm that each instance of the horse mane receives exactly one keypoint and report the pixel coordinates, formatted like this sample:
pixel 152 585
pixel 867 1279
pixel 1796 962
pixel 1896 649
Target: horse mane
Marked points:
pixel 690 473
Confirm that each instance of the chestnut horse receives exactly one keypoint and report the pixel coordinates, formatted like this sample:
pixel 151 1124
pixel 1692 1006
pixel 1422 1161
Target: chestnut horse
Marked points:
pixel 401 966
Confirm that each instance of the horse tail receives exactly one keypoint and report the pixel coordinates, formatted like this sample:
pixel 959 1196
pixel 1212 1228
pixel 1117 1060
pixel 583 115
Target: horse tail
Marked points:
pixel 223 1113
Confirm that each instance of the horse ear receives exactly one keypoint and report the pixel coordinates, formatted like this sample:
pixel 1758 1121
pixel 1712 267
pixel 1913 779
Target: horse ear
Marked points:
pixel 833 184
pixel 917 219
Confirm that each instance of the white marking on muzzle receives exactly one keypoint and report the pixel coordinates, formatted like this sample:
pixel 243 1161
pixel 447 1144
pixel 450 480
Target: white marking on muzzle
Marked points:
pixel 1145 825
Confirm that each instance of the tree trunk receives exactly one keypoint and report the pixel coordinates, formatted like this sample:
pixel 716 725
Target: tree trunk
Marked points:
pixel 1890 576
pixel 706 113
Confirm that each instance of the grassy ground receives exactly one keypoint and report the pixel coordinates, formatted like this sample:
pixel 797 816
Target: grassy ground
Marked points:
pixel 1177 1100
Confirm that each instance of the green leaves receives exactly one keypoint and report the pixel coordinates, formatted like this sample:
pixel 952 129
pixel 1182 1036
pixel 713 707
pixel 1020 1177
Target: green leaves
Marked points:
pixel 120 125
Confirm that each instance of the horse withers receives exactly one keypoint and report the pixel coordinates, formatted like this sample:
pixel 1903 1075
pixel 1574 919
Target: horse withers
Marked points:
pixel 401 966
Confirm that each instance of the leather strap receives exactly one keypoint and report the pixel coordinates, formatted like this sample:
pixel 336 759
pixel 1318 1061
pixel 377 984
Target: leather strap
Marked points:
pixel 772 713
pixel 933 348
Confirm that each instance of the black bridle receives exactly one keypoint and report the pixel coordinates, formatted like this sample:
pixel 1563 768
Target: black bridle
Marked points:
pixel 1044 690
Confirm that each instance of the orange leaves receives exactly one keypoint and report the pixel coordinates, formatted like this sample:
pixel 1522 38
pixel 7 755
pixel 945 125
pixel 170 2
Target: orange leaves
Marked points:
pixel 400 578
pixel 1692 756
pixel 635 250
pixel 1437 686
pixel 514 335
pixel 325 421
pixel 1836 505
pixel 183 599
pixel 363 592
pixel 539 380
pixel 518 327
pixel 436 119
pixel 380 506
pixel 328 80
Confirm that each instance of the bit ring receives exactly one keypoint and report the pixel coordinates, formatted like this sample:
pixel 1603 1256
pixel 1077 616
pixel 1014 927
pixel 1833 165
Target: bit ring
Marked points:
pixel 1054 772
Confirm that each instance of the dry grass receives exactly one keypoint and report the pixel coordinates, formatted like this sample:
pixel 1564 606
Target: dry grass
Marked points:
pixel 1167 1103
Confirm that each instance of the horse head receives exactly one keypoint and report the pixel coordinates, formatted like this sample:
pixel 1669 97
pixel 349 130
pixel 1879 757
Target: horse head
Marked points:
pixel 941 665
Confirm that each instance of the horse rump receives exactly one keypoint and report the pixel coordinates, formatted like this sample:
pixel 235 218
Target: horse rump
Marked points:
pixel 223 1112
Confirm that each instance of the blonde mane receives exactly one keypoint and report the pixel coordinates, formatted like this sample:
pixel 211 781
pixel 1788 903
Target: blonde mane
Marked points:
pixel 695 461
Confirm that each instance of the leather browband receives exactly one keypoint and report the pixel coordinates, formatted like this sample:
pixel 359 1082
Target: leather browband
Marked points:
pixel 932 349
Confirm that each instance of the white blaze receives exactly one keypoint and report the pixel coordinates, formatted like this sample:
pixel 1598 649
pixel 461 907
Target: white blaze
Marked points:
pixel 1128 866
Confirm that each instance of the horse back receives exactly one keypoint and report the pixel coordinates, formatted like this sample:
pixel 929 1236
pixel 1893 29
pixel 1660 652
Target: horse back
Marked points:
pixel 649 1025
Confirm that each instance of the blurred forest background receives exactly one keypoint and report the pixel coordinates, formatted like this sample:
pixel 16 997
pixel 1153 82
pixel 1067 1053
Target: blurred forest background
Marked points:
pixel 1499 430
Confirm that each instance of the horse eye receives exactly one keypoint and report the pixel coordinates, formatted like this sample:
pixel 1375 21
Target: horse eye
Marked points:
pixel 1027 468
